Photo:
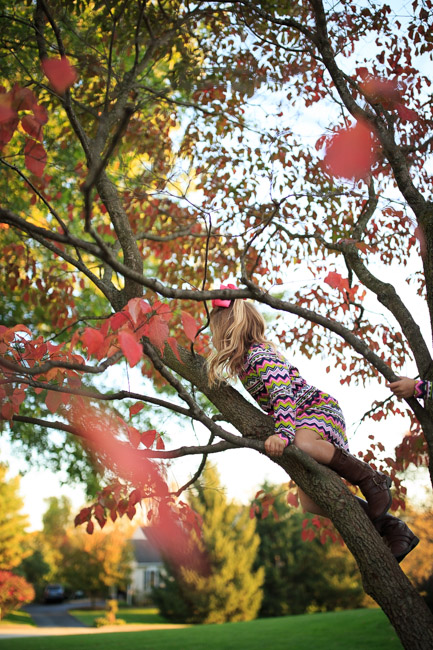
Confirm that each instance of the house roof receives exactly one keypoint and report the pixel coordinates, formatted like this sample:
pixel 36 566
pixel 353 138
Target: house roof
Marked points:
pixel 144 551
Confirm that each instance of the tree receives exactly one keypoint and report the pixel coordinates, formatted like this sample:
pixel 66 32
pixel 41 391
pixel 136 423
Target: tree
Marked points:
pixel 14 592
pixel 57 518
pixel 12 523
pixel 318 575
pixel 136 141
pixel 230 588
pixel 418 567
pixel 94 563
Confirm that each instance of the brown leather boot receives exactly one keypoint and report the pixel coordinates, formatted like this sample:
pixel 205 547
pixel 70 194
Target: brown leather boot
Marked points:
pixel 398 536
pixel 373 485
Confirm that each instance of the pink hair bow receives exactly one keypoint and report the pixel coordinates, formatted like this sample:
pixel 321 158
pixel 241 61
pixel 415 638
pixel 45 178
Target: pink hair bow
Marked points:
pixel 218 302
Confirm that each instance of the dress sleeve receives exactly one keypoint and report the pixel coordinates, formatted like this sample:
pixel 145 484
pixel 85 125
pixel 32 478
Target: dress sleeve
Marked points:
pixel 275 377
pixel 424 389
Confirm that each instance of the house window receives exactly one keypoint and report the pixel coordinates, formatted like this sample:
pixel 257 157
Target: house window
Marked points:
pixel 149 580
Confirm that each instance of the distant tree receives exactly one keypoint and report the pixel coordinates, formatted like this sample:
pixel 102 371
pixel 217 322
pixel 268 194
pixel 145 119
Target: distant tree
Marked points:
pixel 418 565
pixel 12 522
pixel 15 592
pixel 57 517
pixel 301 575
pixel 231 591
pixel 41 562
pixel 94 563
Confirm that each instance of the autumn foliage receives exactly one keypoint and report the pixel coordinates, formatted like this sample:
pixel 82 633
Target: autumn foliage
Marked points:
pixel 15 592
pixel 154 151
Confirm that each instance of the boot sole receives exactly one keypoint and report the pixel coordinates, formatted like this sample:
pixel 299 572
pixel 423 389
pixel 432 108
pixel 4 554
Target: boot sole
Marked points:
pixel 388 484
pixel 412 545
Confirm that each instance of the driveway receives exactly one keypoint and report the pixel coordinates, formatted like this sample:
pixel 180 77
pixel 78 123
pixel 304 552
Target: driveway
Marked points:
pixel 54 620
pixel 56 614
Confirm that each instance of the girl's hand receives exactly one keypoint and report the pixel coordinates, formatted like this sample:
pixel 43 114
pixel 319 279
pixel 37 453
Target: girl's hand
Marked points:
pixel 404 387
pixel 274 445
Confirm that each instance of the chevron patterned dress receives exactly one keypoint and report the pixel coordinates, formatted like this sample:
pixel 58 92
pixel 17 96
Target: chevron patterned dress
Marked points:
pixel 280 391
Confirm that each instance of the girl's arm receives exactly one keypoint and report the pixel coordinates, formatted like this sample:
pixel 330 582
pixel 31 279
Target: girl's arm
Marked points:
pixel 406 387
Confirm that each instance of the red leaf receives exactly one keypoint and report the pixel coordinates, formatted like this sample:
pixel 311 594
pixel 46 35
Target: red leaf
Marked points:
pixel 406 114
pixel 130 348
pixel 82 516
pixel 134 437
pixel 138 307
pixel 35 157
pixel 118 320
pixel 32 126
pixel 7 411
pixel 92 340
pixel 6 111
pixel 40 114
pixel 135 497
pixel 23 99
pixel 100 515
pixel 60 73
pixel 189 325
pixel 130 512
pixel 292 499
pixel 334 280
pixel 53 400
pixel 90 527
pixel 136 408
pixel 351 152
pixel 160 443
pixel 148 437
pixel 158 332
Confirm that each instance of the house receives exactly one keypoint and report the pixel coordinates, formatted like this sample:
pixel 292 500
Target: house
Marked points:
pixel 146 568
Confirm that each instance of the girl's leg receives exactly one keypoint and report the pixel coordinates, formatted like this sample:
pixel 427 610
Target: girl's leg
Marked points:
pixel 315 446
pixel 373 484
pixel 308 504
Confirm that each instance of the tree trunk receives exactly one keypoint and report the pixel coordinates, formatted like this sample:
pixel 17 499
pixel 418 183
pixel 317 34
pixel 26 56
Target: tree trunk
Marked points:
pixel 381 575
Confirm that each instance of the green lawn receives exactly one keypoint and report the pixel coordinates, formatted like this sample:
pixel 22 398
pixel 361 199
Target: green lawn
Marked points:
pixel 146 615
pixel 362 629
pixel 17 618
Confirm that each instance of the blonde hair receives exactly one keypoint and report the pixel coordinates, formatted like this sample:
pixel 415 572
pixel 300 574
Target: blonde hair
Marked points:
pixel 234 329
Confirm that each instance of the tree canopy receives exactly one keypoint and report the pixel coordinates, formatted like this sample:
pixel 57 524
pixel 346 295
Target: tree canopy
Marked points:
pixel 151 150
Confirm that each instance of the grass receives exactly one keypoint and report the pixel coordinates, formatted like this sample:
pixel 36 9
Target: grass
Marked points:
pixel 17 618
pixel 147 615
pixel 362 629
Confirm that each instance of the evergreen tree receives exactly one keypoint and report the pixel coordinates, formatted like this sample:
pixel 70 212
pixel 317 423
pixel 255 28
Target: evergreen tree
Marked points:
pixel 12 522
pixel 231 590
pixel 302 575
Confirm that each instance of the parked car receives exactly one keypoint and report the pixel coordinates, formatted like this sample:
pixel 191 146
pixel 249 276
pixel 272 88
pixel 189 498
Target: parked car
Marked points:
pixel 54 594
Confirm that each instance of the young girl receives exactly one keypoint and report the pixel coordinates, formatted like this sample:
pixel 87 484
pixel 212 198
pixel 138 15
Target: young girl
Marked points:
pixel 303 415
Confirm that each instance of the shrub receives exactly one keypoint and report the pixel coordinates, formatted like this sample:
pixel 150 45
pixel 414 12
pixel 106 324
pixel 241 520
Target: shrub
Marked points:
pixel 110 616
pixel 15 591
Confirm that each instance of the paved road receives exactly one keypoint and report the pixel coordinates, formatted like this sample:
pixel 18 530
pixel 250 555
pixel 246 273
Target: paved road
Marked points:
pixel 55 615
